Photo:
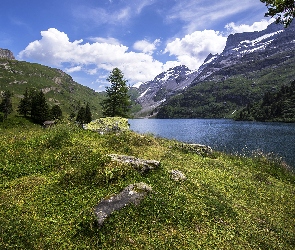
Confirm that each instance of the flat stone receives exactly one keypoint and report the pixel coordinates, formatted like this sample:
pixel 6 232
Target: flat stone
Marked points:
pixel 133 193
pixel 139 164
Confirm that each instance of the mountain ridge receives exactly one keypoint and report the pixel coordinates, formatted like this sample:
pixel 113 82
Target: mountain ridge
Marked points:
pixel 251 64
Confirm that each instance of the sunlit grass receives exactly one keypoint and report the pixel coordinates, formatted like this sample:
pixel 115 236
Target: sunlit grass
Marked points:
pixel 51 180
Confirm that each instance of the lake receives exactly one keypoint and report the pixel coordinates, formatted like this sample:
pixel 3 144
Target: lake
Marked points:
pixel 226 135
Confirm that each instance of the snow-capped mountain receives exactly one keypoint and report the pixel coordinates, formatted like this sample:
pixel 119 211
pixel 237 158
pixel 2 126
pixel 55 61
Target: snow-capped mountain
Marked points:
pixel 247 47
pixel 244 52
pixel 155 92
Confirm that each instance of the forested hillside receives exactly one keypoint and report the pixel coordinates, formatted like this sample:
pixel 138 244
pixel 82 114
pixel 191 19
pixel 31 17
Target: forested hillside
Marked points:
pixel 277 106
pixel 59 88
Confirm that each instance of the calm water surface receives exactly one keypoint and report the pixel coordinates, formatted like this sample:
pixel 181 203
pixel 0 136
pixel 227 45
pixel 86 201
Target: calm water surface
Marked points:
pixel 226 135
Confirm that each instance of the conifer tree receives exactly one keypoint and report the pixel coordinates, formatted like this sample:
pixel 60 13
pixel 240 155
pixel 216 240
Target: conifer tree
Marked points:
pixel 39 107
pixel 117 102
pixel 6 104
pixel 24 107
pixel 88 115
pixel 56 112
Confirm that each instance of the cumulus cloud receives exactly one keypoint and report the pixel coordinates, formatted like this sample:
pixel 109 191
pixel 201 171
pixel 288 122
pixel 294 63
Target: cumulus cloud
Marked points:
pixel 55 48
pixel 146 47
pixel 256 26
pixel 192 49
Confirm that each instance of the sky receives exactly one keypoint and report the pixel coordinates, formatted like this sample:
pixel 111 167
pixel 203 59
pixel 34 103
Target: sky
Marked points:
pixel 88 38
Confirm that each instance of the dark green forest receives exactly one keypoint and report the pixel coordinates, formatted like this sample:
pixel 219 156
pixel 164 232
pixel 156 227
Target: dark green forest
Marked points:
pixel 275 106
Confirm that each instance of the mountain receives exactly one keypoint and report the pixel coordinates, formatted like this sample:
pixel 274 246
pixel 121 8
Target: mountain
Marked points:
pixel 153 93
pixel 59 88
pixel 251 64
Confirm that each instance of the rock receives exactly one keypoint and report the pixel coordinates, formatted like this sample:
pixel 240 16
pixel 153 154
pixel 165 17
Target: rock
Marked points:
pixel 133 193
pixel 139 164
pixel 177 175
pixel 6 54
pixel 195 148
pixel 108 125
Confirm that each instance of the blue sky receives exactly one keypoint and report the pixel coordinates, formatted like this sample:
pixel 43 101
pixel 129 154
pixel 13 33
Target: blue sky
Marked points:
pixel 88 38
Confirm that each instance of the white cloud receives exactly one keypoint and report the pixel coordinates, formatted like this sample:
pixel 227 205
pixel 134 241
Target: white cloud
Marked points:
pixel 55 48
pixel 73 69
pixel 109 40
pixel 256 26
pixel 192 49
pixel 146 47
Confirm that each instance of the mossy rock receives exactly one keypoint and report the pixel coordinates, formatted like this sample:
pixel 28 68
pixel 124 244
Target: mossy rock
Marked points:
pixel 108 125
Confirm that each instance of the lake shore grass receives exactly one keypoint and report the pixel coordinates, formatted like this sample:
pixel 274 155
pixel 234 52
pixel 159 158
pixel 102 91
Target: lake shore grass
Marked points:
pixel 52 178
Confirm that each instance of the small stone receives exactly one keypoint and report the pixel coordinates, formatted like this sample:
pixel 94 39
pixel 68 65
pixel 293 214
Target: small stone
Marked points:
pixel 177 175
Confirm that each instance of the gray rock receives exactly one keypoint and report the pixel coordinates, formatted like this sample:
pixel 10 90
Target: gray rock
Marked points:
pixel 138 164
pixel 177 175
pixel 195 148
pixel 6 54
pixel 133 193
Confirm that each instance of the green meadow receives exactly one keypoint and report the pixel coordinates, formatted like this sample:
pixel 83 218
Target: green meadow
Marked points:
pixel 50 180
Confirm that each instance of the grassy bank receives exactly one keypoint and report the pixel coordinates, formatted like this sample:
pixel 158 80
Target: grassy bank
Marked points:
pixel 51 180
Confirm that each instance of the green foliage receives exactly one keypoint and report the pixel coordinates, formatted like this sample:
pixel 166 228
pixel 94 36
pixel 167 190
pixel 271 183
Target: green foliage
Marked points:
pixel 276 106
pixel 52 178
pixel 117 102
pixel 284 10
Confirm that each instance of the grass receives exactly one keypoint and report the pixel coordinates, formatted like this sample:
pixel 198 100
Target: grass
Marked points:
pixel 51 179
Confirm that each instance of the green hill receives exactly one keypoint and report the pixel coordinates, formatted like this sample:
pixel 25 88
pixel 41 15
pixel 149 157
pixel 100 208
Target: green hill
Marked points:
pixel 59 88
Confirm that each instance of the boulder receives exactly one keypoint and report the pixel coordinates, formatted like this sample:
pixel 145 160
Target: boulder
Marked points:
pixel 133 193
pixel 108 125
pixel 177 175
pixel 139 164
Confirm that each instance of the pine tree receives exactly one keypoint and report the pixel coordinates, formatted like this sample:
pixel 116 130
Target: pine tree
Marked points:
pixel 88 115
pixel 6 104
pixel 56 112
pixel 39 107
pixel 117 102
pixel 81 116
pixel 24 107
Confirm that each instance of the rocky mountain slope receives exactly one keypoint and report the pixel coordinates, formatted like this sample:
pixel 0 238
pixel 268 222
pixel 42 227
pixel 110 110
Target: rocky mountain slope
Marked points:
pixel 251 64
pixel 59 88
pixel 153 93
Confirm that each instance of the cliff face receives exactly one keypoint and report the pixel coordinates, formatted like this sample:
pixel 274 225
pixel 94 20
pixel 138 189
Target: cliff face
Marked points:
pixel 6 54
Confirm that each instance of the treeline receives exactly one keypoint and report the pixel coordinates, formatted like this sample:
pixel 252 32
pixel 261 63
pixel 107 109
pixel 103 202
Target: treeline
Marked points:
pixel 33 105
pixel 278 106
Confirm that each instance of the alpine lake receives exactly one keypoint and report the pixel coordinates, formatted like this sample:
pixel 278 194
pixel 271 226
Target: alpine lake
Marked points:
pixel 275 140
